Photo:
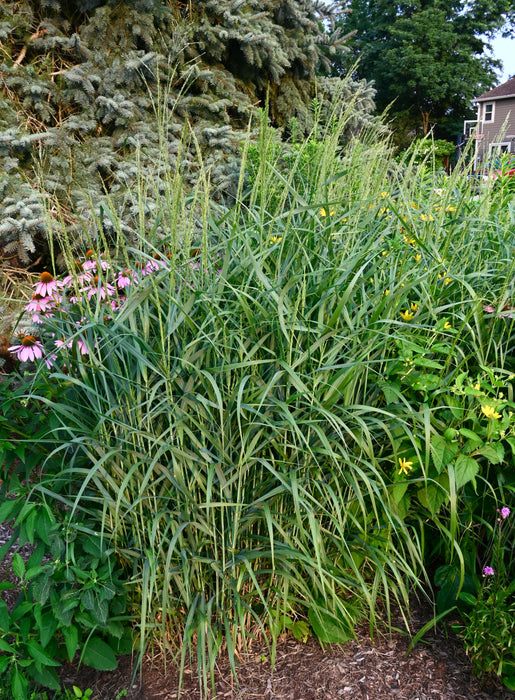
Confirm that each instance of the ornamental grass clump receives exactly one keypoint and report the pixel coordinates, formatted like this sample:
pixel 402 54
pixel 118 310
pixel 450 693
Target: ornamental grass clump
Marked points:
pixel 269 427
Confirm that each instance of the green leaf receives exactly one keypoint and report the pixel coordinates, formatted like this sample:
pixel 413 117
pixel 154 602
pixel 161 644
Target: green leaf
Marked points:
pixel 433 495
pixel 328 628
pixel 47 677
pixel 465 470
pixel 71 640
pixel 99 655
pixel 4 616
pixel 426 362
pixel 47 628
pixel 470 435
pixel 441 451
pixel 494 453
pixel 39 654
pixel 18 566
pixel 300 630
pixel 426 382
pixel 4 646
pixel 7 508
pixel 19 685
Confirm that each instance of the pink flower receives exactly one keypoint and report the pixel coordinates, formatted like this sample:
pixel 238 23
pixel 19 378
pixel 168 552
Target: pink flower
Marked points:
pixel 488 571
pixel 505 511
pixel 29 349
pixel 38 304
pixel 81 278
pixel 125 278
pixel 49 360
pixel 63 342
pixel 46 285
pixel 489 309
pixel 102 291
pixel 82 347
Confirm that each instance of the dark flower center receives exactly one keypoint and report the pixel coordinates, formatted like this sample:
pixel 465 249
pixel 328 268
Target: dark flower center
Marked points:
pixel 28 341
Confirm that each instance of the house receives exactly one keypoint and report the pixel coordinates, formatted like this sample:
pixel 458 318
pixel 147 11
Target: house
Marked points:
pixel 494 127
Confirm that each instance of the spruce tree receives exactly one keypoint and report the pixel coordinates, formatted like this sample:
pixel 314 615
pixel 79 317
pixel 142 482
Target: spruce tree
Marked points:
pixel 84 84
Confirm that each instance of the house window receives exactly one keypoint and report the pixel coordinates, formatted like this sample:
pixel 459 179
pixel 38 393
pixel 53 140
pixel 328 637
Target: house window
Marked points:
pixel 497 149
pixel 489 112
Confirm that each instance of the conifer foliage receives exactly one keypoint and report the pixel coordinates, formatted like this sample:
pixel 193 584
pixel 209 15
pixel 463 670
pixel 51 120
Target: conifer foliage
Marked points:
pixel 93 93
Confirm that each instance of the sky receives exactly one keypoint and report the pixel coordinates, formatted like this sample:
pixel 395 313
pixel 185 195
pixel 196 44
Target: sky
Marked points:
pixel 504 49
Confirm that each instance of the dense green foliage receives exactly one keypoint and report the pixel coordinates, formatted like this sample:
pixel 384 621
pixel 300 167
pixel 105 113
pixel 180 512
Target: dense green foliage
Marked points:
pixel 427 59
pixel 300 412
pixel 94 94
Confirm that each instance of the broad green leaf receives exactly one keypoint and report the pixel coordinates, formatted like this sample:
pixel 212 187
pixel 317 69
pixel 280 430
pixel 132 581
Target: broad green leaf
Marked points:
pixel 47 677
pixel 328 628
pixel 47 628
pixel 6 509
pixel 465 470
pixel 99 655
pixel 426 362
pixel 433 495
pixel 71 639
pixel 18 566
pixel 442 452
pixel 426 382
pixel 39 654
pixel 470 435
pixel 494 453
pixel 4 646
pixel 4 616
pixel 300 630
pixel 19 685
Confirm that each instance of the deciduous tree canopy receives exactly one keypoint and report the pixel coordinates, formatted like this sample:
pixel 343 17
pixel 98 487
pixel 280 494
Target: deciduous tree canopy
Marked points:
pixel 427 58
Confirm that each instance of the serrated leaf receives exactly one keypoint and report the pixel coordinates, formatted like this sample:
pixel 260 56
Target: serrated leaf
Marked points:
pixel 6 509
pixel 99 655
pixel 4 616
pixel 39 654
pixel 465 470
pixel 4 646
pixel 494 453
pixel 47 627
pixel 19 686
pixel 18 566
pixel 71 640
pixel 470 435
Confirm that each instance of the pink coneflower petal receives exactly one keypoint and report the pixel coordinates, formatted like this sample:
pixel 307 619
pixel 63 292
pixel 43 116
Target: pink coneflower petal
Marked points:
pixel 46 285
pixel 29 349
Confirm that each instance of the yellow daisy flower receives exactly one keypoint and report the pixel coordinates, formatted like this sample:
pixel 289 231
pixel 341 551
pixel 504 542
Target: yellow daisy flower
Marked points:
pixel 490 411
pixel 405 466
pixel 407 315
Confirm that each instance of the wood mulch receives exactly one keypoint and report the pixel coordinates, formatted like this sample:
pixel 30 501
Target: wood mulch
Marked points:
pixel 437 669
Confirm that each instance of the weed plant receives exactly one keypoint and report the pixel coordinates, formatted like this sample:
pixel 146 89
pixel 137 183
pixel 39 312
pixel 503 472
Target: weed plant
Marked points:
pixel 275 429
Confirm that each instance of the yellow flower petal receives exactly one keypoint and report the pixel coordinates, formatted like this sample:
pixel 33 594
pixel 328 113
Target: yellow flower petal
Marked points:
pixel 405 466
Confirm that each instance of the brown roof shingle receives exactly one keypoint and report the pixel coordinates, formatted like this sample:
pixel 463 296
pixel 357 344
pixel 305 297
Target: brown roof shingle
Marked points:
pixel 507 89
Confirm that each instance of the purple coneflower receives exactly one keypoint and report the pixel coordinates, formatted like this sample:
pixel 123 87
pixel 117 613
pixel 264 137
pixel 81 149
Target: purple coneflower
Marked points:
pixel 29 349
pixel 46 285
pixel 124 279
